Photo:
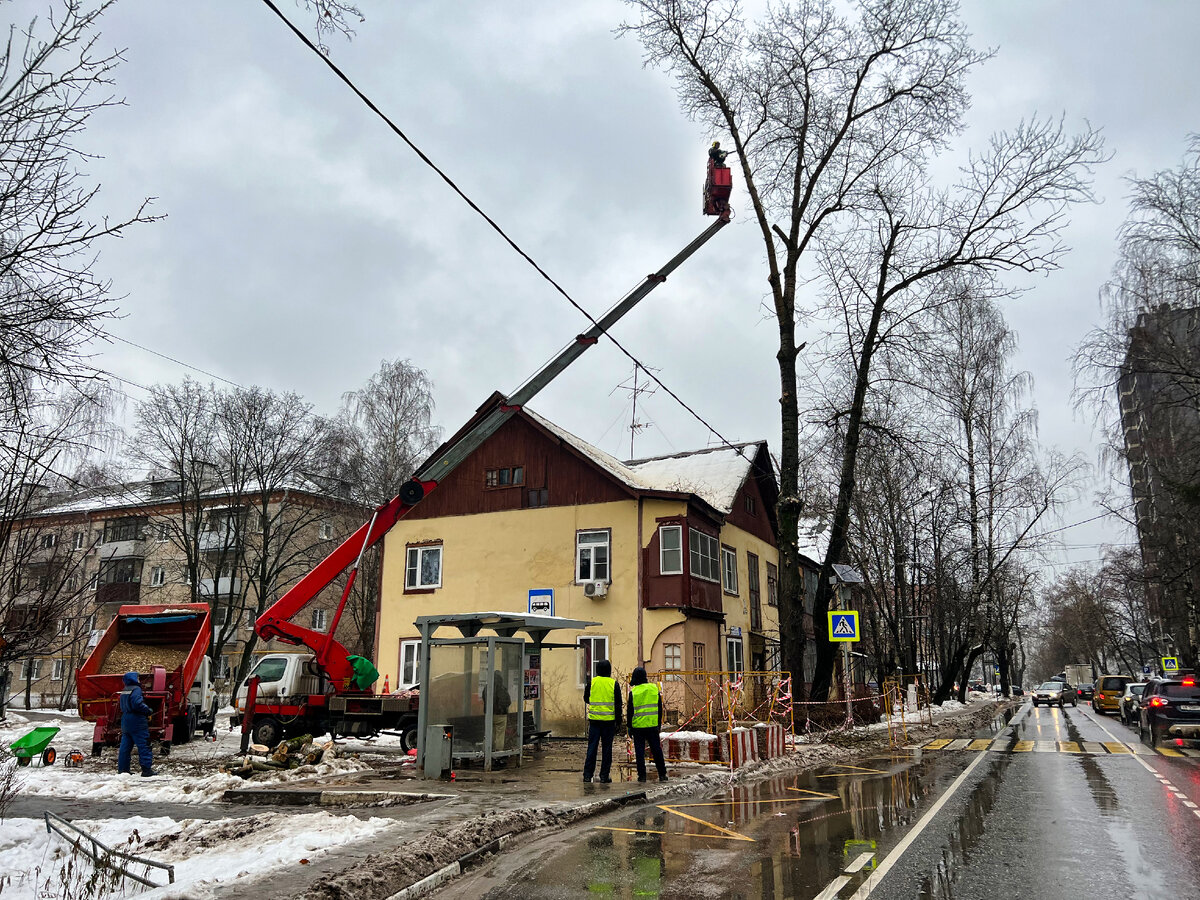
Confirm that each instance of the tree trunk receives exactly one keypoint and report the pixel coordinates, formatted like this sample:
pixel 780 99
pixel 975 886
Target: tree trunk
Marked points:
pixel 966 672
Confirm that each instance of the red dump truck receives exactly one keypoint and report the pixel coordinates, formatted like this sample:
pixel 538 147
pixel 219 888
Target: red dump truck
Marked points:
pixel 167 646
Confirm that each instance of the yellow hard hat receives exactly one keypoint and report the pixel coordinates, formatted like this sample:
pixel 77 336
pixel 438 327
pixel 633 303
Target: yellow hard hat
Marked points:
pixel 716 143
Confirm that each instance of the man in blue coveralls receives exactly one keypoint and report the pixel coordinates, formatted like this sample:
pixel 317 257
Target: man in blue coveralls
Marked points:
pixel 135 727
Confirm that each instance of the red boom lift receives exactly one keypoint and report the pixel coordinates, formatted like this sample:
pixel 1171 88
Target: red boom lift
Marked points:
pixel 346 706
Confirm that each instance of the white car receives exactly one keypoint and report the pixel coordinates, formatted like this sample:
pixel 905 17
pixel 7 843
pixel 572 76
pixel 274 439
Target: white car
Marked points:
pixel 1055 693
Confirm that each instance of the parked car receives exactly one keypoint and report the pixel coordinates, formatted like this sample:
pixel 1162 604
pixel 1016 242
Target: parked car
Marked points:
pixel 1109 690
pixel 1055 692
pixel 1017 690
pixel 1085 691
pixel 1170 711
pixel 1131 702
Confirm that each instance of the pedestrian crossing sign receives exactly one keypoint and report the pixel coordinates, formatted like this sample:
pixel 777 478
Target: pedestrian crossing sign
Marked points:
pixel 1170 663
pixel 843 625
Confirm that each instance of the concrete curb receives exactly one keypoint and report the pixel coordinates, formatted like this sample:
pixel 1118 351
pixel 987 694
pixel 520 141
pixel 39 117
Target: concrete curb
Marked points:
pixel 268 797
pixel 480 853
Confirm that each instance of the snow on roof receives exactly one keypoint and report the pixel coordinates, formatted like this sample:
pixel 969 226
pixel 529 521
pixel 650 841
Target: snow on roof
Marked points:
pixel 813 538
pixel 714 475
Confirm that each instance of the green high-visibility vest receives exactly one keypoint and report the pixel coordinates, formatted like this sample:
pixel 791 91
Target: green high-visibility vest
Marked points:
pixel 644 698
pixel 602 697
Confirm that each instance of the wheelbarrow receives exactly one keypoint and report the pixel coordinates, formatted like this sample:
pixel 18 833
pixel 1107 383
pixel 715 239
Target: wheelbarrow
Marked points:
pixel 35 745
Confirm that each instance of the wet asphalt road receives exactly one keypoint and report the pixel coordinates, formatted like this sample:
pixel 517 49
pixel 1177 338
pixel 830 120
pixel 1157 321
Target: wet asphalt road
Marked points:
pixel 1054 804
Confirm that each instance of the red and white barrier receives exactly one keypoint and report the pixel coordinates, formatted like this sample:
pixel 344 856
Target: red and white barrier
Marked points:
pixel 738 747
pixel 768 736
pixel 690 746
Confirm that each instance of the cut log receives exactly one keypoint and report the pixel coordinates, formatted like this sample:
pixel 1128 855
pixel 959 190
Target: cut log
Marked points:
pixel 260 749
pixel 266 765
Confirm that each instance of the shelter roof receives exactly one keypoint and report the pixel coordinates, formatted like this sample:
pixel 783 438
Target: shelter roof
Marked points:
pixel 505 624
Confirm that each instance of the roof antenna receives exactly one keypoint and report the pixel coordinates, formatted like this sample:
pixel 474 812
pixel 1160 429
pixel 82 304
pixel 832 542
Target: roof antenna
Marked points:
pixel 634 390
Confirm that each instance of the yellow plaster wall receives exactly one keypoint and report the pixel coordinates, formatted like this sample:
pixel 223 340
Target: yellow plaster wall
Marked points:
pixel 491 561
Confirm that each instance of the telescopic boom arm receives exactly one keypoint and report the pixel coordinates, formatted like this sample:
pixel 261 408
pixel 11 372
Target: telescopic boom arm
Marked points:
pixel 331 656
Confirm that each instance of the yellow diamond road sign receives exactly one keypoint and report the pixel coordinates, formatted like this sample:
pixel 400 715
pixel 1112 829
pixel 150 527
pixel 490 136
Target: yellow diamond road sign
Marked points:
pixel 843 625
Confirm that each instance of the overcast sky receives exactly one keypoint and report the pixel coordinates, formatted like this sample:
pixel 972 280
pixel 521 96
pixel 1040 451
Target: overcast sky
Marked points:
pixel 304 243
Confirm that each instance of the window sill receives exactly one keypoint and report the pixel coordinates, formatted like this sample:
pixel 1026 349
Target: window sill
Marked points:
pixel 421 590
pixel 729 593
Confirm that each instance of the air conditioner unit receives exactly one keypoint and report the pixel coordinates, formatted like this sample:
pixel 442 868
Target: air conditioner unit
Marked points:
pixel 595 589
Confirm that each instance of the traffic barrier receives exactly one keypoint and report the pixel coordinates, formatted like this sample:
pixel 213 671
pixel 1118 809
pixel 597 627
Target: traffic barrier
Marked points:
pixel 738 747
pixel 691 746
pixel 768 738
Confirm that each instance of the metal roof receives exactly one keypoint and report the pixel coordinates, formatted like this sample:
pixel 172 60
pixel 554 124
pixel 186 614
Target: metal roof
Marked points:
pixel 505 624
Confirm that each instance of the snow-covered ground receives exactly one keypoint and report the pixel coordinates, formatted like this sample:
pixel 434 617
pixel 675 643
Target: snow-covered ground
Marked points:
pixel 190 774
pixel 204 853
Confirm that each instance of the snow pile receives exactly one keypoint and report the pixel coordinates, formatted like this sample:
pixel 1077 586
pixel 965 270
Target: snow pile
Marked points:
pixel 688 735
pixel 98 780
pixel 204 853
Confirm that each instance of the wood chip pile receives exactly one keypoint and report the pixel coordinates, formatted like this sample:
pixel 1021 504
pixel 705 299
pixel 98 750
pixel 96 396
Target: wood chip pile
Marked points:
pixel 126 657
pixel 289 754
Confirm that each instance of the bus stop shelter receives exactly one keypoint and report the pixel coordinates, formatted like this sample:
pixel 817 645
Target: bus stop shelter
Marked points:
pixel 475 688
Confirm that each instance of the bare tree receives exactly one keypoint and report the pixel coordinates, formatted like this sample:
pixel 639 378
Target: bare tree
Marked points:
pixel 52 303
pixel 826 112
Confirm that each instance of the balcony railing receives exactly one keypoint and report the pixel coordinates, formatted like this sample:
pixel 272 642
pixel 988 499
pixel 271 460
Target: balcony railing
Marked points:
pixel 123 592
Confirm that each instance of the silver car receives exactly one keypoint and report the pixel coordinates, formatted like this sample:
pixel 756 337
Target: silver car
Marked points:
pixel 1055 693
pixel 1131 702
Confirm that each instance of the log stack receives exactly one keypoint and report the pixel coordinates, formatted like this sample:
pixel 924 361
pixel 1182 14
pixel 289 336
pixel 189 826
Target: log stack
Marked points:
pixel 290 754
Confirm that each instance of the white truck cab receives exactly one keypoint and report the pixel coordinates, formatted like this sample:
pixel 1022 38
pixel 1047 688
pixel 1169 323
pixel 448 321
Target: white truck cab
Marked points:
pixel 280 675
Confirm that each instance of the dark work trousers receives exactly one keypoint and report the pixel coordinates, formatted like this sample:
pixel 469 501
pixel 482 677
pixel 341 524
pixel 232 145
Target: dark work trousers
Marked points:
pixel 642 737
pixel 600 734
pixel 141 737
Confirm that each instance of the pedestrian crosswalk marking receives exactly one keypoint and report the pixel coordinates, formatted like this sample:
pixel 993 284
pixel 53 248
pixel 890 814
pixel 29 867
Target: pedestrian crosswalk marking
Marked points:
pixel 1092 748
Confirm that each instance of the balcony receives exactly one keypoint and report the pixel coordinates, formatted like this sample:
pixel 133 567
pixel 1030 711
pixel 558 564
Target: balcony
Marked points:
pixel 224 587
pixel 122 592
pixel 219 541
pixel 134 548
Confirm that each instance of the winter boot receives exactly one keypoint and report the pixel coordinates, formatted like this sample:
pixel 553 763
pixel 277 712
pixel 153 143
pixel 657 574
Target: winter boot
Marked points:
pixel 148 773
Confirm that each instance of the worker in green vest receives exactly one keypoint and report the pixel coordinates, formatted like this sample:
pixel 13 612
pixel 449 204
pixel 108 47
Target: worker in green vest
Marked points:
pixel 603 702
pixel 645 721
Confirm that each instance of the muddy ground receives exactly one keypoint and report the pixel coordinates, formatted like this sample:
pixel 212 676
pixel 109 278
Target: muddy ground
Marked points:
pixel 386 873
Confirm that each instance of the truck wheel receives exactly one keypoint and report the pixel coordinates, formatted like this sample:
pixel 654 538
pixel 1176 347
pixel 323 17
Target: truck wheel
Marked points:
pixel 408 737
pixel 267 732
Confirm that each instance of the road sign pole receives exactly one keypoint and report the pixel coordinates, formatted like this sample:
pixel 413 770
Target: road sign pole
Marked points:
pixel 846 683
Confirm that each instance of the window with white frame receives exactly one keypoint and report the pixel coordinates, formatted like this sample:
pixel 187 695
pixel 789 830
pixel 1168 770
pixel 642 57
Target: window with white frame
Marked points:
pixel 49 540
pixel 595 648
pixel 77 543
pixel 31 670
pixel 56 670
pixel 703 555
pixel 158 576
pixel 163 534
pixel 326 530
pixel 410 664
pixel 733 655
pixel 673 660
pixel 64 627
pixel 591 555
pixel 423 568
pixel 729 579
pixel 670 550
pixel 94 581
pixel 319 619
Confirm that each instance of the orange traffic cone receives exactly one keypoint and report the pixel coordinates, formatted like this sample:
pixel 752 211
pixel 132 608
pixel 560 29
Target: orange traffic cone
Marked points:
pixel 386 688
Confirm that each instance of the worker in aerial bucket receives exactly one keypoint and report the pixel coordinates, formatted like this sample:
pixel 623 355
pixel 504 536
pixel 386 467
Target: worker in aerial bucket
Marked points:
pixel 717 155
pixel 135 727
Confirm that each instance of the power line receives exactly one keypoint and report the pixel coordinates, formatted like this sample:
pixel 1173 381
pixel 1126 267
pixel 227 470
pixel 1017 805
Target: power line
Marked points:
pixel 500 231
pixel 174 360
pixel 1085 521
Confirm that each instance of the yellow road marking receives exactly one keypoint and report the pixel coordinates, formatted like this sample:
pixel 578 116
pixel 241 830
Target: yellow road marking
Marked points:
pixel 1167 751
pixel 1068 747
pixel 851 774
pixel 938 744
pixel 717 837
pixel 979 745
pixel 816 795
pixel 1022 746
pixel 748 800
pixel 1115 747
pixel 732 834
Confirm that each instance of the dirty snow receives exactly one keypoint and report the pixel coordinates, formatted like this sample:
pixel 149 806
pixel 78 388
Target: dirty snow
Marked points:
pixel 188 775
pixel 204 853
